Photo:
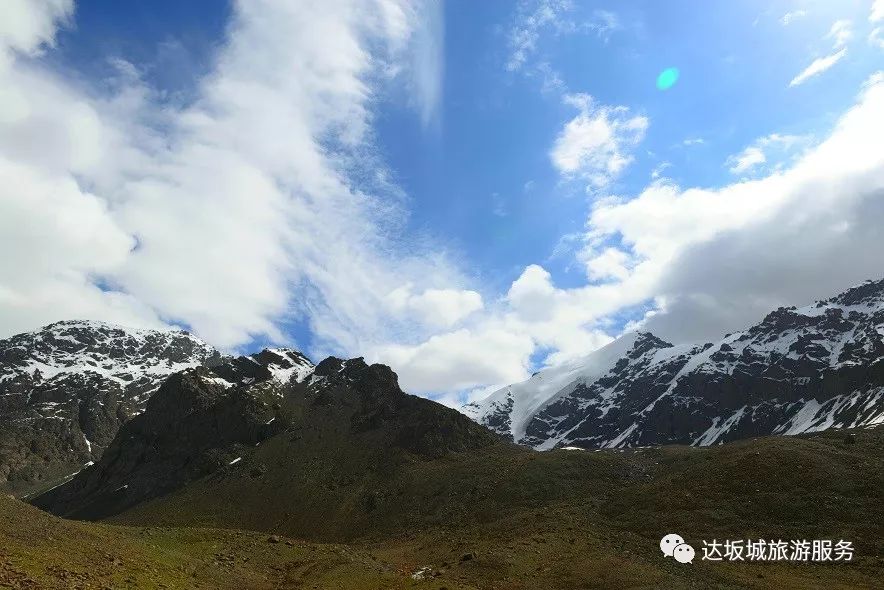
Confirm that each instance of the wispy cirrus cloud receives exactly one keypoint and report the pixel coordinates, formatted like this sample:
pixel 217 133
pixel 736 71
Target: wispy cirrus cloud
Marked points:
pixel 536 18
pixel 818 66
pixel 757 154
pixel 532 19
pixel 841 32
pixel 793 16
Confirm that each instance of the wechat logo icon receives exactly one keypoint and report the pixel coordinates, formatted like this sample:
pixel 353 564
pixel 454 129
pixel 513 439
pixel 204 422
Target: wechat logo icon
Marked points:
pixel 673 545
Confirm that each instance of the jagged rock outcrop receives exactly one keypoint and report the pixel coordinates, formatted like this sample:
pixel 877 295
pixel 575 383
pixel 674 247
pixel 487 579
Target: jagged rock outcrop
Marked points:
pixel 66 389
pixel 204 419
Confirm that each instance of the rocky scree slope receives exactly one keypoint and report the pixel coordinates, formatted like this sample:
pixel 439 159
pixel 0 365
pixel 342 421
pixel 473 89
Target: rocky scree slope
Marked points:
pixel 798 370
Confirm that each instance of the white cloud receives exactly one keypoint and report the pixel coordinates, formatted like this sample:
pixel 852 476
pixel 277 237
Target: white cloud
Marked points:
pixel 604 23
pixel 595 144
pixel 428 61
pixel 436 307
pixel 537 17
pixel 461 359
pixel 659 169
pixel 229 213
pixel 841 32
pixel 688 263
pixel 27 25
pixel 792 16
pixel 818 66
pixel 876 37
pixel 757 154
pixel 715 260
pixel 877 13
pixel 611 263
pixel 749 158
pixel 532 17
pixel 691 141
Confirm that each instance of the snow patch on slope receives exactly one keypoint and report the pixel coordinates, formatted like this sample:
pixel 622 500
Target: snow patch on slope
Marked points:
pixel 530 395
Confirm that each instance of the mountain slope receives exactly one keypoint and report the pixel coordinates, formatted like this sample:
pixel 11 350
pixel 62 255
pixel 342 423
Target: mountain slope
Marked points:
pixel 798 370
pixel 202 420
pixel 65 390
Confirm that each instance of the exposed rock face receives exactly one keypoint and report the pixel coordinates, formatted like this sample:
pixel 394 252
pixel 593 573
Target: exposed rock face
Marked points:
pixel 798 370
pixel 66 389
pixel 189 428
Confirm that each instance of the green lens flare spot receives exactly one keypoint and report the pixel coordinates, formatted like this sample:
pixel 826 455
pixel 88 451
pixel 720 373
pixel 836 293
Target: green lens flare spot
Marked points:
pixel 667 78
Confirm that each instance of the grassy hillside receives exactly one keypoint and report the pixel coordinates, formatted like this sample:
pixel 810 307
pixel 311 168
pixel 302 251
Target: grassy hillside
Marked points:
pixel 504 519
pixel 38 550
pixel 563 519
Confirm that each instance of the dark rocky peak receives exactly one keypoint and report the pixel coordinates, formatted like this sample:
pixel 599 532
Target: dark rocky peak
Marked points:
pixel 781 320
pixel 370 381
pixel 242 370
pixel 645 342
pixel 283 358
pixel 284 365
pixel 333 365
pixel 870 292
pixel 183 393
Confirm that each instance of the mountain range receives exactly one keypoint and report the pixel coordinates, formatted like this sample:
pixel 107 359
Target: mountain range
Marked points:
pixel 798 370
pixel 66 389
pixel 270 471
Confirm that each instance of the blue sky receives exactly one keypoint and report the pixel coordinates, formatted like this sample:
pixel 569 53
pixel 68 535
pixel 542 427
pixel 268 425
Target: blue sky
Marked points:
pixel 467 191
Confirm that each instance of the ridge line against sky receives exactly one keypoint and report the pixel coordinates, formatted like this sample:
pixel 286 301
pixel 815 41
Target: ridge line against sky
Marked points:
pixel 466 193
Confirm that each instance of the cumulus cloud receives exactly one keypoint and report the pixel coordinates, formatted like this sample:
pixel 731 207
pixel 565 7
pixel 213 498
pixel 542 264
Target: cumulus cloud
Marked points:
pixel 436 307
pixel 461 359
pixel 595 144
pixel 688 263
pixel 716 260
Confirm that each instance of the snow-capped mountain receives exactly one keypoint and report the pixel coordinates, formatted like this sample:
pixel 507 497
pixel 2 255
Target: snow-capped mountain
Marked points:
pixel 66 389
pixel 798 370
